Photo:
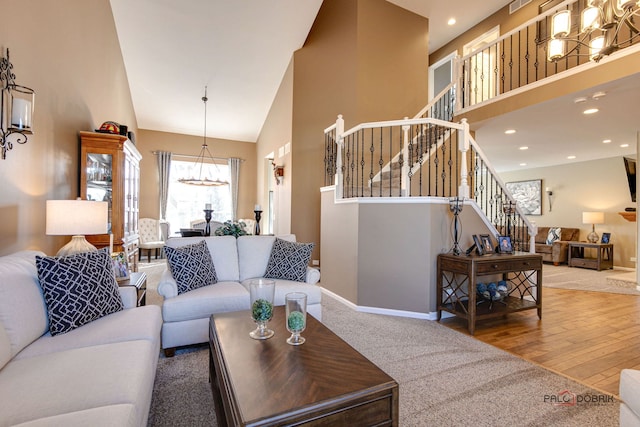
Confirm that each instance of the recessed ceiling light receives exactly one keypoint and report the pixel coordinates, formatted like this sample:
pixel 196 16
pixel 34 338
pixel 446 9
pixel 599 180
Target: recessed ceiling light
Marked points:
pixel 451 21
pixel 606 141
pixel 524 148
pixel 624 145
pixel 571 157
pixel 599 95
pixel 523 164
pixel 510 131
pixel 580 100
pixel 590 111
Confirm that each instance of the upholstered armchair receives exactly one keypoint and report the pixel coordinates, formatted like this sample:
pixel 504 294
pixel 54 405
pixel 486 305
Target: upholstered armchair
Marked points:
pixel 150 237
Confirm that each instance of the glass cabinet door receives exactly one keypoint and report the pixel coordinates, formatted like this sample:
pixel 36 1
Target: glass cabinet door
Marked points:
pixel 100 179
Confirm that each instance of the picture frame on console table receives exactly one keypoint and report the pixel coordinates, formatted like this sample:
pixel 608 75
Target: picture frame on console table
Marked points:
pixel 504 245
pixel 606 237
pixel 487 245
pixel 479 245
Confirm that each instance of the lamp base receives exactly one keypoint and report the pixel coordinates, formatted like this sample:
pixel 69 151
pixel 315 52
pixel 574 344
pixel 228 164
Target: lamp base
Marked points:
pixel 593 237
pixel 77 244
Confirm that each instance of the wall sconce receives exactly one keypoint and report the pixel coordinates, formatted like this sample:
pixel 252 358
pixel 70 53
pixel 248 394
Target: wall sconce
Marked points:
pixel 549 194
pixel 278 173
pixel 16 108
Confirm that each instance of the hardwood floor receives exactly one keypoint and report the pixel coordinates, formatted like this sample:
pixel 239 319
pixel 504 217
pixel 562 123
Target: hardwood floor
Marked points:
pixel 587 336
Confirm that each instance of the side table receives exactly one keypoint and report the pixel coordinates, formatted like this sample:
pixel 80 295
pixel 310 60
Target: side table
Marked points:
pixel 458 275
pixel 602 259
pixel 137 279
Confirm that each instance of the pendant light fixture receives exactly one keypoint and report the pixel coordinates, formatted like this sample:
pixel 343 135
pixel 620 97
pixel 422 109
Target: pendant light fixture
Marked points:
pixel 202 177
pixel 600 25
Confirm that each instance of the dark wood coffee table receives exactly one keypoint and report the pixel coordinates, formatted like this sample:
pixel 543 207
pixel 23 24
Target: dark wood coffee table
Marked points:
pixel 324 382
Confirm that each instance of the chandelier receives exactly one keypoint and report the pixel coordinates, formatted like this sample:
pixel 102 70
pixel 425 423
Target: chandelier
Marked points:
pixel 600 25
pixel 202 178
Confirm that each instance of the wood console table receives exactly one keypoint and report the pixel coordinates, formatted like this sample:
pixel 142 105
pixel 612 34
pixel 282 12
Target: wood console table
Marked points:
pixel 457 278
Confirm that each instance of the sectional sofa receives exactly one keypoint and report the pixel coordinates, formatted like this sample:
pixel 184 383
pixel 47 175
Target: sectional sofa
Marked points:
pixel 98 374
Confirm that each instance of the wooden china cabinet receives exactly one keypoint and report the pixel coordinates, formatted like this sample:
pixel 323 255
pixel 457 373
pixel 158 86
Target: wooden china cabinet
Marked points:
pixel 110 171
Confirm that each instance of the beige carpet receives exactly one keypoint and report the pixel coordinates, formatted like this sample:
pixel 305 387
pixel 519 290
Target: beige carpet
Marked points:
pixel 582 279
pixel 446 378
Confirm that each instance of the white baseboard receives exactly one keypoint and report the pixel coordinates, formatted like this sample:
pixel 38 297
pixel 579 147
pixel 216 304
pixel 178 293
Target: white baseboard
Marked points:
pixel 386 311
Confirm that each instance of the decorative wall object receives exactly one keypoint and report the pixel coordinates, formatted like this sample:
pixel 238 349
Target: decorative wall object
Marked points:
pixel 528 195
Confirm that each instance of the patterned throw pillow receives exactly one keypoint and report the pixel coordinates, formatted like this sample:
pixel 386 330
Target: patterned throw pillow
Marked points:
pixel 191 266
pixel 289 260
pixel 78 289
pixel 554 234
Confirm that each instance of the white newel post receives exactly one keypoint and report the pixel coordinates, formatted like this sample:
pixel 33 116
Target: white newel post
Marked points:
pixel 532 237
pixel 405 158
pixel 463 146
pixel 340 142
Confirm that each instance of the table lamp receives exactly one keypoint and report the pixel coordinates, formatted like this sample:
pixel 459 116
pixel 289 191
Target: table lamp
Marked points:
pixel 76 218
pixel 593 218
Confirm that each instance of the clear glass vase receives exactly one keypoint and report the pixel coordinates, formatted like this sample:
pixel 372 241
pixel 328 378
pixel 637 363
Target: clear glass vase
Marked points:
pixel 296 316
pixel 261 291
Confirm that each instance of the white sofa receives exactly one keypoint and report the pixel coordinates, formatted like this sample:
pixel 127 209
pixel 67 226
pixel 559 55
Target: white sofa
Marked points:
pixel 186 316
pixel 100 374
pixel 630 397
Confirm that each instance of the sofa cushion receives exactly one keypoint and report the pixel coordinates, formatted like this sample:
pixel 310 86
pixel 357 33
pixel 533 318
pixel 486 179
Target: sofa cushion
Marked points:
pixel 289 260
pixel 553 235
pixel 191 266
pixel 140 323
pixel 203 302
pixel 223 250
pixel 78 289
pixel 104 416
pixel 78 379
pixel 23 313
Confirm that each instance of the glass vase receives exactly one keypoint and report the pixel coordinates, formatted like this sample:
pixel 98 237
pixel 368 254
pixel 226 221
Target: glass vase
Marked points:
pixel 261 291
pixel 296 316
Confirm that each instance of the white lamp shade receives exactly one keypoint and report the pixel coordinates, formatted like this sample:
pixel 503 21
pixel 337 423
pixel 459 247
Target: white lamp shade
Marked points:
pixel 590 19
pixel 593 217
pixel 561 24
pixel 595 46
pixel 76 217
pixel 626 4
pixel 555 49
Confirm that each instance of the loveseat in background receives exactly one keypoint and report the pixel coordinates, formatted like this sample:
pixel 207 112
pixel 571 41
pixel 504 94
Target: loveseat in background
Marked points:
pixel 186 316
pixel 99 374
pixel 558 251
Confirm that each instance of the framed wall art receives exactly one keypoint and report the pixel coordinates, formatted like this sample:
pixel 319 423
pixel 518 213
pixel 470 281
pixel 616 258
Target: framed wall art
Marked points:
pixel 528 195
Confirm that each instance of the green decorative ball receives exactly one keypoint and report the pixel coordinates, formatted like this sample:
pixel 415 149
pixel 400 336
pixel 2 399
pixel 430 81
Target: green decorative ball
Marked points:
pixel 296 321
pixel 262 310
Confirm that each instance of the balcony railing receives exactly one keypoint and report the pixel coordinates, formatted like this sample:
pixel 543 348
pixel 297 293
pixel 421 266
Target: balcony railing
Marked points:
pixel 519 58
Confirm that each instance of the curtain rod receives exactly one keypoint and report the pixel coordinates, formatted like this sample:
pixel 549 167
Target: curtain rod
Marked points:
pixel 191 156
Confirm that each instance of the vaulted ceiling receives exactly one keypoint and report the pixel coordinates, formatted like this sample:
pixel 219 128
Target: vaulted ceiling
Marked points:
pixel 240 50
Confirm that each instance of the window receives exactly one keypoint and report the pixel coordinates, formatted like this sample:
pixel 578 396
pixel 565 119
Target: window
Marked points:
pixel 186 202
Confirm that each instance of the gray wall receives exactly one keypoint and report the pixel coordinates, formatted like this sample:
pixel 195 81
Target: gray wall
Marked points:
pixel 383 254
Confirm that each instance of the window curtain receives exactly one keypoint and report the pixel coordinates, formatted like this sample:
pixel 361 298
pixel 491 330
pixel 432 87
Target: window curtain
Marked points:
pixel 234 173
pixel 164 168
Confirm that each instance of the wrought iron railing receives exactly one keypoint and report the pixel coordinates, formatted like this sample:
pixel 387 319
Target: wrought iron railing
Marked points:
pixel 519 58
pixel 422 157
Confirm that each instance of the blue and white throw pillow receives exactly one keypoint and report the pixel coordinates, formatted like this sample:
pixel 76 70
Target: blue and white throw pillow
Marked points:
pixel 78 289
pixel 554 234
pixel 289 260
pixel 191 266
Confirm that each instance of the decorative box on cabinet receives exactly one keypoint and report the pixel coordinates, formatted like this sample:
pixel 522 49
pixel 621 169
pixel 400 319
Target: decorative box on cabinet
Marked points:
pixel 110 171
